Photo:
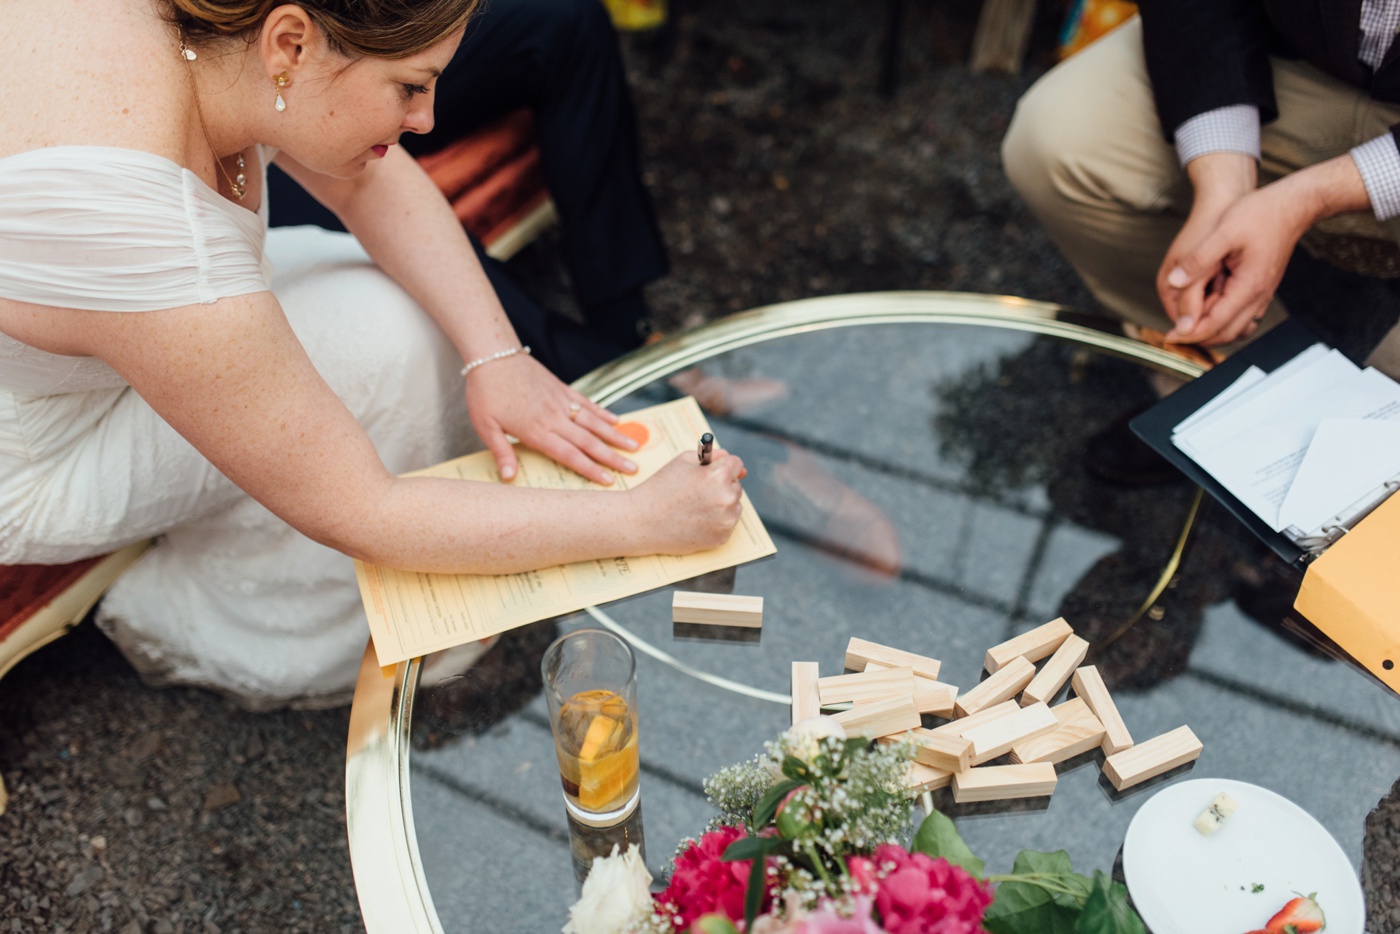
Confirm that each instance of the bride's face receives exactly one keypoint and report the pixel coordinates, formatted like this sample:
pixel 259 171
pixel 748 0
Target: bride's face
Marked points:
pixel 347 114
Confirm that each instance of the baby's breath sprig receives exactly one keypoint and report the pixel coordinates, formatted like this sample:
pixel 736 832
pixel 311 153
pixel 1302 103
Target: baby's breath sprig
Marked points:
pixel 735 789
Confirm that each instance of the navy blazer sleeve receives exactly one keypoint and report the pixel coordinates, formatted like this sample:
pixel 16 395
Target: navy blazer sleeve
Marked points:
pixel 1204 54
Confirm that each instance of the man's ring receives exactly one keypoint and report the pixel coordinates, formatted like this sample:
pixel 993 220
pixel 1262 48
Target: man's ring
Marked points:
pixel 574 409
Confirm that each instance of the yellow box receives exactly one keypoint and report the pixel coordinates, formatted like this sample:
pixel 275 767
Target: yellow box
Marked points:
pixel 1352 592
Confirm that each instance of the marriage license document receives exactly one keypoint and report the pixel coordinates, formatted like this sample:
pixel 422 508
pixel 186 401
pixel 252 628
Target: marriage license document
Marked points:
pixel 412 614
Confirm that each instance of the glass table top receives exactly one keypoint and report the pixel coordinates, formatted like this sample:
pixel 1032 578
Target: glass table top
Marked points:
pixel 925 486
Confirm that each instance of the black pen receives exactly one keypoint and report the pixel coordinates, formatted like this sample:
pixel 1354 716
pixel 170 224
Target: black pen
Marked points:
pixel 707 444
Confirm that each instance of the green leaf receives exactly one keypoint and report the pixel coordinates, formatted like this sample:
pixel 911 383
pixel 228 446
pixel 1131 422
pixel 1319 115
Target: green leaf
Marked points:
pixel 1106 910
pixel 795 769
pixel 937 837
pixel 1026 908
pixel 713 924
pixel 753 898
pixel 749 848
pixel 768 804
pixel 1034 862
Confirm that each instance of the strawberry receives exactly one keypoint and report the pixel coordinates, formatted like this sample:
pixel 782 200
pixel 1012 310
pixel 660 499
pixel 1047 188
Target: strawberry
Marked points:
pixel 1299 916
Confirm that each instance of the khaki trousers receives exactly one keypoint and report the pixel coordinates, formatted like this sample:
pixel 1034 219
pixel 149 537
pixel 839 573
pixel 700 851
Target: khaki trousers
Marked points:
pixel 1086 152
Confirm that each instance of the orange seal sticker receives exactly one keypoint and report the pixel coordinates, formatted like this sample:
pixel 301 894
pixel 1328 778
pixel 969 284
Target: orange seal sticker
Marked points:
pixel 636 431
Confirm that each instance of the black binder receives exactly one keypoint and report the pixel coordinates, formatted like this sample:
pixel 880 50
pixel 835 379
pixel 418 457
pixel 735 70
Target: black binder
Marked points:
pixel 1155 425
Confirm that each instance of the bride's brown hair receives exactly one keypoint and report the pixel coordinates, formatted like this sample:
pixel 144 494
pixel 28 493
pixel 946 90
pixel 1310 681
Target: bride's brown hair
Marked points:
pixel 354 28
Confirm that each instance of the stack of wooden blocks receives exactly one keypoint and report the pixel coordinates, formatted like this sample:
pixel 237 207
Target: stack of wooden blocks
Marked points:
pixel 891 689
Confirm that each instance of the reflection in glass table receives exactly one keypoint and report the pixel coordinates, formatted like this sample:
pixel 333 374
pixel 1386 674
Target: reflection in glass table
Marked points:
pixel 917 459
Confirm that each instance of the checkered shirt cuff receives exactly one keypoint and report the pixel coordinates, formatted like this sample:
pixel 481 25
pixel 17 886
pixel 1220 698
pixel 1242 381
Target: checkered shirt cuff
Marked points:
pixel 1379 163
pixel 1225 129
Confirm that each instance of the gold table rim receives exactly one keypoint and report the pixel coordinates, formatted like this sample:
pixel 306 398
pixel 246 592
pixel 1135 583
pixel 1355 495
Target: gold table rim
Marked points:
pixel 389 879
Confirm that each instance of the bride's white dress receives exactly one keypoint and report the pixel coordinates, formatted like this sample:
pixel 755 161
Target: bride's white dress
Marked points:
pixel 230 597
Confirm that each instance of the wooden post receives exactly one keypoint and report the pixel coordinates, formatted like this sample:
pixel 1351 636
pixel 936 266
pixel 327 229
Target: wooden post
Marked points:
pixel 1003 32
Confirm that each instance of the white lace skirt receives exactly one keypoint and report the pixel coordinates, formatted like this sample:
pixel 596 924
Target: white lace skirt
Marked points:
pixel 230 597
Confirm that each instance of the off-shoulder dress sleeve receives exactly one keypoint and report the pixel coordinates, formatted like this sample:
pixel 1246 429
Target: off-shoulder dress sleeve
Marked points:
pixel 106 229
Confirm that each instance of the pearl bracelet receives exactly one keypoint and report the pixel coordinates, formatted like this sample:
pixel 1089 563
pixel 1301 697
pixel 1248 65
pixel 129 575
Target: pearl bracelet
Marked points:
pixel 498 355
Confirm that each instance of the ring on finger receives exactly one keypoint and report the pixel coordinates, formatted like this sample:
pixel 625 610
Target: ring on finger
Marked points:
pixel 574 409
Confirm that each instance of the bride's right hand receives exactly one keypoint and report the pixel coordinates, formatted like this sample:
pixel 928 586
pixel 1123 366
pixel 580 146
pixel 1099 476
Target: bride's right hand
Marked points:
pixel 687 507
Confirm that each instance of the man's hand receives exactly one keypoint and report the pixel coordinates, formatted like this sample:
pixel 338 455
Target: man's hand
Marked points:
pixel 1218 290
pixel 1219 180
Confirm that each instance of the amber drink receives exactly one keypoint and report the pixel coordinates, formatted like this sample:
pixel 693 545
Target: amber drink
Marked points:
pixel 590 684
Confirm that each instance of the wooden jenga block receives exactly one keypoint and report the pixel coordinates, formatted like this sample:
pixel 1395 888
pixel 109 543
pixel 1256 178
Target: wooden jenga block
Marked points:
pixel 996 738
pixel 716 609
pixel 1009 680
pixel 924 778
pixel 935 697
pixel 1088 684
pixel 1078 732
pixel 1054 673
pixel 1152 757
pixel 942 750
pixel 985 715
pixel 806 699
pixel 999 782
pixel 867 686
pixel 877 718
pixel 859 653
pixel 1032 646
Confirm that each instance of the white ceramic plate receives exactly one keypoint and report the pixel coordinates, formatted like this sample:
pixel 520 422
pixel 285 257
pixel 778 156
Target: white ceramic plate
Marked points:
pixel 1186 883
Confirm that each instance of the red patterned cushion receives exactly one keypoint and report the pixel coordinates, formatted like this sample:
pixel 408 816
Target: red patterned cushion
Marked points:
pixel 493 177
pixel 25 589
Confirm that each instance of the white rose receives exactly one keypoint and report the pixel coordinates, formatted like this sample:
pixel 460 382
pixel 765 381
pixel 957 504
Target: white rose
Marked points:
pixel 805 736
pixel 616 895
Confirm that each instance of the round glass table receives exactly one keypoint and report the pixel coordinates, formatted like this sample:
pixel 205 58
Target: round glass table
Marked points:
pixel 918 460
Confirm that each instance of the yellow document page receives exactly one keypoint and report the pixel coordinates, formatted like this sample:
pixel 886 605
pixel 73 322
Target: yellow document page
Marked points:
pixel 412 613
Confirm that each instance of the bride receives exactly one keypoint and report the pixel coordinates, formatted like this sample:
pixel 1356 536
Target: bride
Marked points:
pixel 170 369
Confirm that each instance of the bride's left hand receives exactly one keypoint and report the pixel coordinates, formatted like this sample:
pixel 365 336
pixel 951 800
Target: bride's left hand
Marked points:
pixel 519 396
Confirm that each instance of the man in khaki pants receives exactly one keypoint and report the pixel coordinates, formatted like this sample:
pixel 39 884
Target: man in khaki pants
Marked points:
pixel 1185 222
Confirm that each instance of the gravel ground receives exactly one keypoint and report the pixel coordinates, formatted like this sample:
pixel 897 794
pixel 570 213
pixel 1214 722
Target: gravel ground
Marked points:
pixel 779 174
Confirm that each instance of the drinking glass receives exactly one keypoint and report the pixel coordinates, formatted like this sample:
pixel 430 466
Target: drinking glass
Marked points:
pixel 590 684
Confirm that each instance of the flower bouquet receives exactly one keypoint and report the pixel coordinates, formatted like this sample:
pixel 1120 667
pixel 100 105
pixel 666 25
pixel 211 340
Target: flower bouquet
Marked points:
pixel 812 837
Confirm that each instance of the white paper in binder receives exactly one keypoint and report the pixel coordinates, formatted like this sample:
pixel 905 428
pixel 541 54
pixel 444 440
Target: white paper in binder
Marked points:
pixel 1311 448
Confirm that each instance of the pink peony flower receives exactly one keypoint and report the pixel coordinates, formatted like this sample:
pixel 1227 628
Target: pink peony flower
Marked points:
pixel 702 883
pixel 863 874
pixel 921 895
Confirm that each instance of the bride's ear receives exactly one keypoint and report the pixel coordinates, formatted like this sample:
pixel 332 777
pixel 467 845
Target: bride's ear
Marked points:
pixel 289 35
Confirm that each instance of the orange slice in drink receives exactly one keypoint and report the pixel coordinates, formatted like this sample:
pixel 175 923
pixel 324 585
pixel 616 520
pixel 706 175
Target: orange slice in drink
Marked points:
pixel 605 781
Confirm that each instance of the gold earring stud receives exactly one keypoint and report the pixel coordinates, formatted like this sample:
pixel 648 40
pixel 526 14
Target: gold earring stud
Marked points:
pixel 281 81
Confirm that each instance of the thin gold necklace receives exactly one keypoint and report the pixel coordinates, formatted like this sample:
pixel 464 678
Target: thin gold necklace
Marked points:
pixel 239 184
